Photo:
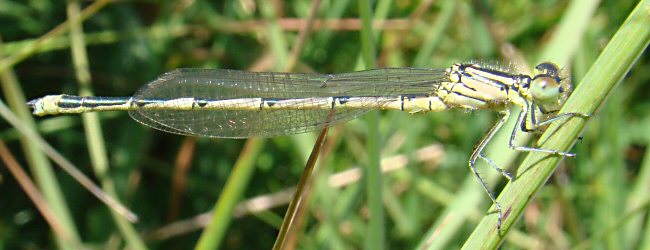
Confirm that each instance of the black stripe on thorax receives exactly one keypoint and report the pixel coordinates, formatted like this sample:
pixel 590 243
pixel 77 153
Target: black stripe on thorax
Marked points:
pixel 492 77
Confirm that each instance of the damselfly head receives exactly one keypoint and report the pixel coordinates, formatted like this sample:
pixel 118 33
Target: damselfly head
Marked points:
pixel 548 89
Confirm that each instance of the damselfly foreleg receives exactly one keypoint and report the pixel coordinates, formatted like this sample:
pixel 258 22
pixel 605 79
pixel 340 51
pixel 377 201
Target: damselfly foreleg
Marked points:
pixel 536 125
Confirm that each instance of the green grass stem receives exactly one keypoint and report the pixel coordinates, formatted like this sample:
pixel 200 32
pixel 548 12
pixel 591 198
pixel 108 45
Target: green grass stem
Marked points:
pixel 233 191
pixel 373 177
pixel 92 126
pixel 40 167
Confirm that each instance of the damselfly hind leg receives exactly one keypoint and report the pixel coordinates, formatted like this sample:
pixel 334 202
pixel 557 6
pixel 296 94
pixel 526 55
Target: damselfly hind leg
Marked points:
pixel 478 153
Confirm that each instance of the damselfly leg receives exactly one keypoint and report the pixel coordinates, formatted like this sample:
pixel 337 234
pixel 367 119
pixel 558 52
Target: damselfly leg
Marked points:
pixel 535 126
pixel 522 125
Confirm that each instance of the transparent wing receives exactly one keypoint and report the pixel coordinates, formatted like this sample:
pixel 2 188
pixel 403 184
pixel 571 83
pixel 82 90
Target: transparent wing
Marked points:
pixel 219 84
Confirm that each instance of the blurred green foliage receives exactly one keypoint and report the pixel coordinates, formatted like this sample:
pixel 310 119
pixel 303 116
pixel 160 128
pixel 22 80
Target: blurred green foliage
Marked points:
pixel 129 43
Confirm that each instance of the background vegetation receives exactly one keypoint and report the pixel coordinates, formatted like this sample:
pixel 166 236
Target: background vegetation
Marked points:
pixel 429 197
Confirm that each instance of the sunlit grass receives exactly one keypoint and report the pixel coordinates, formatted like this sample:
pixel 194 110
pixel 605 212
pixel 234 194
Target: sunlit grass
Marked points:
pixel 424 201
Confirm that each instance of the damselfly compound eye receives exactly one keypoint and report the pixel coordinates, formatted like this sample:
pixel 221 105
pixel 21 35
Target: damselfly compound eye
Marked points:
pixel 549 69
pixel 545 89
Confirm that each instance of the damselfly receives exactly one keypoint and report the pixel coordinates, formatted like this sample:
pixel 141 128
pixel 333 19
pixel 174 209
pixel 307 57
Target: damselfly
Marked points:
pixel 238 104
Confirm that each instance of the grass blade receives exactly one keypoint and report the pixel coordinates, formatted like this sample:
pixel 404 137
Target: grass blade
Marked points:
pixel 614 62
